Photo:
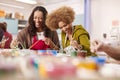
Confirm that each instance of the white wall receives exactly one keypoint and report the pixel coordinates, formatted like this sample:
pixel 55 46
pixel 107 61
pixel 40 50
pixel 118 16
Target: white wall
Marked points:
pixel 77 5
pixel 103 12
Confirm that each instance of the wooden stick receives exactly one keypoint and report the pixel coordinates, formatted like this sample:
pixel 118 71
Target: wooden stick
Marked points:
pixel 33 44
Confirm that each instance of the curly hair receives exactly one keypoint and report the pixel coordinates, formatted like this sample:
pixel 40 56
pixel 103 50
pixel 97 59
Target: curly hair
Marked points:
pixel 64 13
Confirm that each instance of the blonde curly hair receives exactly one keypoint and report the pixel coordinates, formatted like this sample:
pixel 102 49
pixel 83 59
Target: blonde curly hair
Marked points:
pixel 64 13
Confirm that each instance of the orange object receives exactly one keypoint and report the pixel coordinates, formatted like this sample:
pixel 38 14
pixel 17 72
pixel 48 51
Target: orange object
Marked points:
pixel 2 13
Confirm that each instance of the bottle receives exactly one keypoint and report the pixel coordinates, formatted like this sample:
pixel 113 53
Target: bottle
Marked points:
pixel 115 34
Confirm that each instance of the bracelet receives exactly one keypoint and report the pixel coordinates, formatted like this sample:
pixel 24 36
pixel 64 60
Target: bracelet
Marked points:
pixel 79 47
pixel 54 47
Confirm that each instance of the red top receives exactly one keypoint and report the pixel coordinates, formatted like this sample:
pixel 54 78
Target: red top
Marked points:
pixel 39 44
pixel 7 36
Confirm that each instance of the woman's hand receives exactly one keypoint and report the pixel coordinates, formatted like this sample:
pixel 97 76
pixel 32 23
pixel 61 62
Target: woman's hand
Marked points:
pixel 3 41
pixel 96 45
pixel 50 43
pixel 14 44
pixel 75 44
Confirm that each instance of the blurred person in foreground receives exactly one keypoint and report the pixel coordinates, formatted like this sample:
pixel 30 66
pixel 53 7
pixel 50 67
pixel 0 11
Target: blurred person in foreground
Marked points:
pixel 7 37
pixel 71 35
pixel 98 45
pixel 37 36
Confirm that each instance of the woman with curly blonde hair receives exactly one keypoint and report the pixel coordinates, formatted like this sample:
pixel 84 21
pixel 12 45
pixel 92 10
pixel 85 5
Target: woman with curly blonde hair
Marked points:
pixel 76 36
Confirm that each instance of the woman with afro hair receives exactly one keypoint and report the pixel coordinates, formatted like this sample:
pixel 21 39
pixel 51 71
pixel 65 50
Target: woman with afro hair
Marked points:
pixel 76 35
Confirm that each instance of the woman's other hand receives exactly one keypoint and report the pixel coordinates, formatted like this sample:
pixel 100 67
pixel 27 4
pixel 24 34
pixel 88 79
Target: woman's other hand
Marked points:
pixel 50 43
pixel 75 44
pixel 97 45
pixel 14 44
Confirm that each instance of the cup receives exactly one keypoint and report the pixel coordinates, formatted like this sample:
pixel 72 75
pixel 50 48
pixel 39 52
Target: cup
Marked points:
pixel 82 53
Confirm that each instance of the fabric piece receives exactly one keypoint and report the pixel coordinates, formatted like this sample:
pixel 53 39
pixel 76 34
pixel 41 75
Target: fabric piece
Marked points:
pixel 39 44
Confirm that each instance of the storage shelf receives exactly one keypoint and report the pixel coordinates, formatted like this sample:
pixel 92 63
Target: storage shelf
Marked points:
pixel 21 24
